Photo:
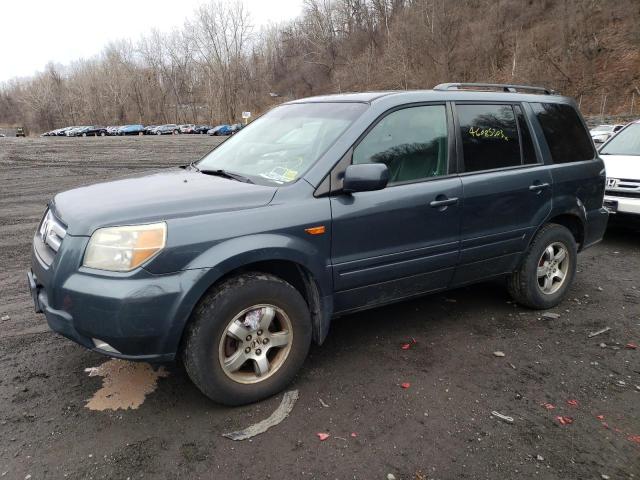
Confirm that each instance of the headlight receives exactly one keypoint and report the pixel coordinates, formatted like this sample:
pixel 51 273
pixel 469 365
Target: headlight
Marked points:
pixel 122 249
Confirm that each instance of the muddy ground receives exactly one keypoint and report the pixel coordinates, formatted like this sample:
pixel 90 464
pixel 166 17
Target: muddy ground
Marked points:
pixel 440 427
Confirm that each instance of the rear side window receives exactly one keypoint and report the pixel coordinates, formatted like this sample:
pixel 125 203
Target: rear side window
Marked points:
pixel 566 136
pixel 489 137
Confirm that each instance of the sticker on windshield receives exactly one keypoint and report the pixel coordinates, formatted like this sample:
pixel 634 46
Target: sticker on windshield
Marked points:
pixel 280 175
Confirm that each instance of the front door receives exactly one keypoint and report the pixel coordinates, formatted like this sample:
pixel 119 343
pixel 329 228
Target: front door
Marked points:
pixel 402 240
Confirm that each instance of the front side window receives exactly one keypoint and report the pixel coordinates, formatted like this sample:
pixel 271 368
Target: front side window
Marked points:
pixel 566 136
pixel 627 142
pixel 489 137
pixel 412 142
pixel 280 146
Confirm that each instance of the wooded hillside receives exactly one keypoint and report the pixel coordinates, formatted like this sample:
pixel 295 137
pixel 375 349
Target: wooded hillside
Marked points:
pixel 218 64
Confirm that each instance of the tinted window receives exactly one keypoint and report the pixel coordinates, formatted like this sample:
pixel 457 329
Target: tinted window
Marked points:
pixel 566 136
pixel 412 142
pixel 526 143
pixel 489 137
pixel 627 142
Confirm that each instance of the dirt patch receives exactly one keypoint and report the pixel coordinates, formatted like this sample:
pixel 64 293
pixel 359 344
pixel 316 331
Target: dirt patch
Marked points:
pixel 124 384
pixel 439 428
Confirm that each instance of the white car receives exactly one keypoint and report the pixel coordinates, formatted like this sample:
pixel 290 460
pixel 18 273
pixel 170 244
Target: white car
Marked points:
pixel 602 133
pixel 621 155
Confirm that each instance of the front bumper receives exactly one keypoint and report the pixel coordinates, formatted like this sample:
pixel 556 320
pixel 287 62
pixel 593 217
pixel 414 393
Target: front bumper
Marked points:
pixel 140 315
pixel 627 205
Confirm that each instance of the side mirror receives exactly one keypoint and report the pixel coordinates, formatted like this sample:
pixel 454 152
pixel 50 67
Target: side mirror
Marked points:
pixel 365 177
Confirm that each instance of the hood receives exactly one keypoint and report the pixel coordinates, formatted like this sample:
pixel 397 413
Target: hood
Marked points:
pixel 150 198
pixel 622 166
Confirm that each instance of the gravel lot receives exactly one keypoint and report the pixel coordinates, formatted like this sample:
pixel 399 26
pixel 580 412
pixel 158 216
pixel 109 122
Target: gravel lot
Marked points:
pixel 441 427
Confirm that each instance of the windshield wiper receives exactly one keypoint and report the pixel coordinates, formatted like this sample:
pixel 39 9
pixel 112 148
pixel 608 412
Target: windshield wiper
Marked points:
pixel 227 174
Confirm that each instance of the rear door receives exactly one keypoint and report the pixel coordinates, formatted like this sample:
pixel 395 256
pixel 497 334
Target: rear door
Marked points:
pixel 402 240
pixel 507 189
pixel 578 173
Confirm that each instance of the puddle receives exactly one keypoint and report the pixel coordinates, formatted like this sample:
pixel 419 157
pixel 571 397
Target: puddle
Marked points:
pixel 124 384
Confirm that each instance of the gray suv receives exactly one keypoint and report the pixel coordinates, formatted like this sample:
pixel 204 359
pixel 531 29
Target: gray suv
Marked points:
pixel 321 207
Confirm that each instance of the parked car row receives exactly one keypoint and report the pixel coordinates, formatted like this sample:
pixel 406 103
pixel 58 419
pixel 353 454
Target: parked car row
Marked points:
pixel 226 129
pixel 138 129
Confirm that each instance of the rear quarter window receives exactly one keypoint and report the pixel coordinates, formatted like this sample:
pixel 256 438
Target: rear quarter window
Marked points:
pixel 564 131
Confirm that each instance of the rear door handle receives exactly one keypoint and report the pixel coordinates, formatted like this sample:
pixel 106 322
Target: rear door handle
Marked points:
pixel 443 202
pixel 536 187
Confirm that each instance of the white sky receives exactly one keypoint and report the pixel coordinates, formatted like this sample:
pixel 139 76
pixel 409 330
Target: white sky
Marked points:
pixel 35 32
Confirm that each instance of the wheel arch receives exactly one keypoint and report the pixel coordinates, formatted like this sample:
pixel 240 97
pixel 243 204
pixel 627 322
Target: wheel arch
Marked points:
pixel 574 224
pixel 294 272
pixel 571 214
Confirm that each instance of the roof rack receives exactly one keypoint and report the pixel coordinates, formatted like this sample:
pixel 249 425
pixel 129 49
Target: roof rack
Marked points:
pixel 505 87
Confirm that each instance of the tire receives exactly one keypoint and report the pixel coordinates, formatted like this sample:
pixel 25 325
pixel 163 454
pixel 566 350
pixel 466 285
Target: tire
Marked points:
pixel 140 134
pixel 208 345
pixel 158 133
pixel 176 132
pixel 84 134
pixel 538 292
pixel 103 134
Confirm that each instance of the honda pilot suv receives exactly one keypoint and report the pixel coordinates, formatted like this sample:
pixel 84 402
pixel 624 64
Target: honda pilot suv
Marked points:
pixel 321 207
pixel 621 154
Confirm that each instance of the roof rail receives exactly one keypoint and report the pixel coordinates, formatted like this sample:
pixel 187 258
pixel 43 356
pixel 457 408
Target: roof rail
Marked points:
pixel 505 87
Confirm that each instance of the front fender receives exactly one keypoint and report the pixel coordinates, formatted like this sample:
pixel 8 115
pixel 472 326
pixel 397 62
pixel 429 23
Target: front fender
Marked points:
pixel 227 256
pixel 236 252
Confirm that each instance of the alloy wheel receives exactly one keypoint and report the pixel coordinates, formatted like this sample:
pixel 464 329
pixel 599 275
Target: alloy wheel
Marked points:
pixel 553 268
pixel 255 344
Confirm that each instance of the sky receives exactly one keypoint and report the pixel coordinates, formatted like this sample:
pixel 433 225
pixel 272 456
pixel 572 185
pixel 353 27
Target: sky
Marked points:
pixel 36 32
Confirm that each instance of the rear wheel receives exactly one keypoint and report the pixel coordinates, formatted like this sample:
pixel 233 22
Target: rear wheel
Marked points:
pixel 548 269
pixel 247 340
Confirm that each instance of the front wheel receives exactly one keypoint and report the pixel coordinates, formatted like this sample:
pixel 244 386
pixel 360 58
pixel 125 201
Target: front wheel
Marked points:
pixel 548 269
pixel 247 339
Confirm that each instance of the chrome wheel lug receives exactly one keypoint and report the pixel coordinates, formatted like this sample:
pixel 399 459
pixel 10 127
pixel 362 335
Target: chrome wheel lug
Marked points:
pixel 265 341
pixel 259 332
pixel 248 338
pixel 258 352
pixel 247 350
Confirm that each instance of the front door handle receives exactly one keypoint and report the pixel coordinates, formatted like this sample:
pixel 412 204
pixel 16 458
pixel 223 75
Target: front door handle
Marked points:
pixel 537 187
pixel 442 202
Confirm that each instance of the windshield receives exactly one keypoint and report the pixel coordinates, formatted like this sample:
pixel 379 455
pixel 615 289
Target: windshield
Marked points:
pixel 280 146
pixel 626 142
